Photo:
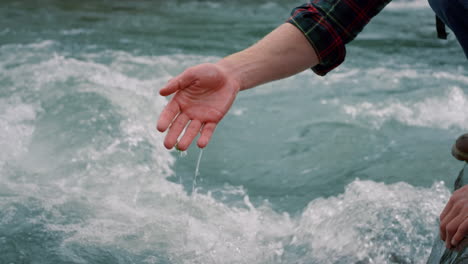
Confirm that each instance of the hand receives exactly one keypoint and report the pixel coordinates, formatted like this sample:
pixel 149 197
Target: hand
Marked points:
pixel 454 218
pixel 203 95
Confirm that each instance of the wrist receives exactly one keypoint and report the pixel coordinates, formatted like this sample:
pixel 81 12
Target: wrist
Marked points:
pixel 232 71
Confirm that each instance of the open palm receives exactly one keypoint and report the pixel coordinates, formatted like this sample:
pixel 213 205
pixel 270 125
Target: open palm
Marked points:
pixel 203 95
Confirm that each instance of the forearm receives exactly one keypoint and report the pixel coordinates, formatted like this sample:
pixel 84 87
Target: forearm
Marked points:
pixel 282 53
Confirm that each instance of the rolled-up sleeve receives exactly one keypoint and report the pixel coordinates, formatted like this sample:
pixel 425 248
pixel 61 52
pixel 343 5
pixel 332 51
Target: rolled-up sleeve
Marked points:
pixel 330 24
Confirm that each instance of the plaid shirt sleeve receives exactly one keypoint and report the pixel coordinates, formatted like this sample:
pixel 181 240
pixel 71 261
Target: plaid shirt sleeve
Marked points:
pixel 330 24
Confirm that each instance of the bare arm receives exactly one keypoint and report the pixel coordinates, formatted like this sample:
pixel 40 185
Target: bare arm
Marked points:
pixel 204 93
pixel 280 54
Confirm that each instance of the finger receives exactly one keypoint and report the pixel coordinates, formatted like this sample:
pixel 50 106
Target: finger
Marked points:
pixel 171 87
pixel 190 133
pixel 206 133
pixel 451 229
pixel 462 231
pixel 174 131
pixel 450 215
pixel 442 230
pixel 447 209
pixel 180 82
pixel 444 226
pixel 168 114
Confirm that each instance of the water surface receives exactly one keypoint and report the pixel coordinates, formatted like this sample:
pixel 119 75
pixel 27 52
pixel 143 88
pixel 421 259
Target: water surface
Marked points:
pixel 351 168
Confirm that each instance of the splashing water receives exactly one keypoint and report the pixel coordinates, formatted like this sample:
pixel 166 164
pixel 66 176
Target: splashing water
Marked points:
pixel 446 111
pixel 86 179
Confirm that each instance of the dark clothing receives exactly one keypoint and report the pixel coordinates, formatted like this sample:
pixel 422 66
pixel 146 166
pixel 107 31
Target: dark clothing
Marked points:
pixel 454 13
pixel 330 24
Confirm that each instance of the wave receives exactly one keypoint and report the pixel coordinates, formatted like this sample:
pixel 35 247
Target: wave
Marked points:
pixel 370 221
pixel 444 112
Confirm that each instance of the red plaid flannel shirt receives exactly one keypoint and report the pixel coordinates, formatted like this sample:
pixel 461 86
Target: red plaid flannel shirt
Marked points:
pixel 330 24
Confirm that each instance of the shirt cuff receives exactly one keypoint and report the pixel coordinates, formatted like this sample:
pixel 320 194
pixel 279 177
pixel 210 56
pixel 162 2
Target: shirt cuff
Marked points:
pixel 326 41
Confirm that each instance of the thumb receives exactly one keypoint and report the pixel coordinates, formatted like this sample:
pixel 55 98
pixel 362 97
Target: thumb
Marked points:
pixel 180 82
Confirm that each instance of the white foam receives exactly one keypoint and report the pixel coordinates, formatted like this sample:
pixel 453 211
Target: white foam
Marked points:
pixel 16 127
pixel 451 76
pixel 372 222
pixel 76 31
pixel 448 111
pixel 46 74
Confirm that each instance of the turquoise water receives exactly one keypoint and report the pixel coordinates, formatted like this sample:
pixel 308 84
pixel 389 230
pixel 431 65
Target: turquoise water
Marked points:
pixel 351 168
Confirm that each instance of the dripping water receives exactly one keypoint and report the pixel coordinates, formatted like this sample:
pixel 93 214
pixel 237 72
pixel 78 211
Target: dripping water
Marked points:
pixel 197 170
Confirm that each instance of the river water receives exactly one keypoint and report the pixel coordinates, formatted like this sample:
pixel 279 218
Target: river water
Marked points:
pixel 354 167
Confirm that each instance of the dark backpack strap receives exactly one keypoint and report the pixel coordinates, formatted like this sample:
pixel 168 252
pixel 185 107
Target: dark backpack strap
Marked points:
pixel 441 33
